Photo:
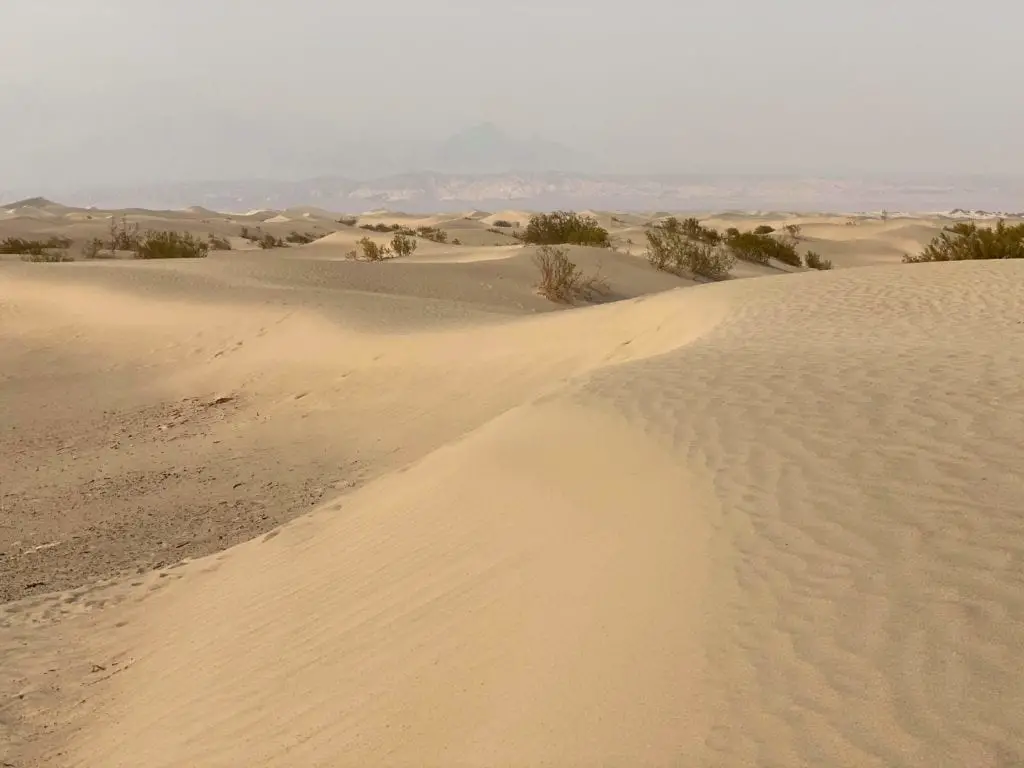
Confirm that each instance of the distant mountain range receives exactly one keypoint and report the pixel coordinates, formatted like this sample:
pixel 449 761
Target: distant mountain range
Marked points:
pixel 485 168
pixel 427 192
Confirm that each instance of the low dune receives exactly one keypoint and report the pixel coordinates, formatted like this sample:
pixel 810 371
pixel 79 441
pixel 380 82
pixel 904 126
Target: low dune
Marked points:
pixel 282 507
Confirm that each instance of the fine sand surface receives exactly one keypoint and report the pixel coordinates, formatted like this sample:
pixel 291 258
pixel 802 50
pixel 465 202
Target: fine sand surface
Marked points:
pixel 282 508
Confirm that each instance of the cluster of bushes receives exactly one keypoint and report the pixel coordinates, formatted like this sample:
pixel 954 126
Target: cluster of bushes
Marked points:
pixel 171 245
pixel 687 246
pixel 506 224
pixel 348 221
pixel 264 240
pixel 435 234
pixel 38 250
pixel 562 228
pixel 561 280
pixel 400 245
pixel 219 243
pixel 302 238
pixel 966 241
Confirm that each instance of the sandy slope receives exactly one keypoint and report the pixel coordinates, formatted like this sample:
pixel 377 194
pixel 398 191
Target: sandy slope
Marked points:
pixel 767 522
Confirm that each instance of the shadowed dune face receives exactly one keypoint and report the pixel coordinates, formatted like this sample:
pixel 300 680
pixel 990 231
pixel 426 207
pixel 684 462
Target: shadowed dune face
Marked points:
pixel 767 521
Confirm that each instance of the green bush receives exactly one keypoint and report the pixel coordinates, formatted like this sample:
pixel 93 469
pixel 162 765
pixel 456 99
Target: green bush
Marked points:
pixel 504 223
pixel 680 247
pixel 403 245
pixel 967 241
pixel 370 251
pixel 763 229
pixel 435 234
pixel 564 227
pixel 171 245
pixel 761 249
pixel 813 260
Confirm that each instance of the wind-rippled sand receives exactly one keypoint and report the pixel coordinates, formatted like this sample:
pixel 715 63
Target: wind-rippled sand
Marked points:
pixel 768 522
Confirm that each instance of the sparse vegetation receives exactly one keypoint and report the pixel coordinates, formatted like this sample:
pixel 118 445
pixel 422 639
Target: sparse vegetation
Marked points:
pixel 561 280
pixel 564 227
pixel 435 234
pixel 368 250
pixel 761 249
pixel 219 243
pixel 49 257
pixel 967 241
pixel 504 223
pixel 18 245
pixel 763 229
pixel 302 238
pixel 813 260
pixel 403 245
pixel 686 247
pixel 381 227
pixel 348 221
pixel 456 241
pixel 171 245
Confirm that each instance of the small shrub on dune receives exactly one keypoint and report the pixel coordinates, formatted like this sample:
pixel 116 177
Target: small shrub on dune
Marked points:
pixel 561 280
pixel 348 221
pixel 18 245
pixel 813 260
pixel 763 229
pixel 966 241
pixel 761 249
pixel 503 223
pixel 301 238
pixel 268 241
pixel 434 234
pixel 403 245
pixel 171 245
pixel 683 247
pixel 219 243
pixel 381 227
pixel 49 257
pixel 368 250
pixel 564 227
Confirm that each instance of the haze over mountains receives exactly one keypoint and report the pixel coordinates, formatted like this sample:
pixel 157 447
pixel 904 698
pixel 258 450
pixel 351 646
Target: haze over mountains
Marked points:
pixel 487 167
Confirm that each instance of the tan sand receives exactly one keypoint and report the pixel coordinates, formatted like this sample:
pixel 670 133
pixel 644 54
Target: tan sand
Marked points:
pixel 763 522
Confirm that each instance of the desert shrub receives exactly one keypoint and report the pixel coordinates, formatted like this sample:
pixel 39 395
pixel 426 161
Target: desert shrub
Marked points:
pixel 219 243
pixel 503 223
pixel 252 237
pixel 381 227
pixel 731 232
pixel 402 245
pixel 563 227
pixel 171 245
pixel 348 221
pixel 371 251
pixel 761 249
pixel 763 229
pixel 966 241
pixel 268 241
pixel 560 278
pixel 48 257
pixel 456 241
pixel 20 245
pixel 673 246
pixel 96 249
pixel 813 260
pixel 435 234
pixel 693 229
pixel 302 238
pixel 793 230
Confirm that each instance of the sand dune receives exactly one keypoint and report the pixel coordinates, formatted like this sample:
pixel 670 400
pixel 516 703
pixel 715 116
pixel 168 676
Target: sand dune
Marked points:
pixel 404 514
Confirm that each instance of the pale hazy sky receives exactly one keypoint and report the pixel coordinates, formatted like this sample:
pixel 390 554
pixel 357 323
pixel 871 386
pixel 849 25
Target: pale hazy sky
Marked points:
pixel 95 91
